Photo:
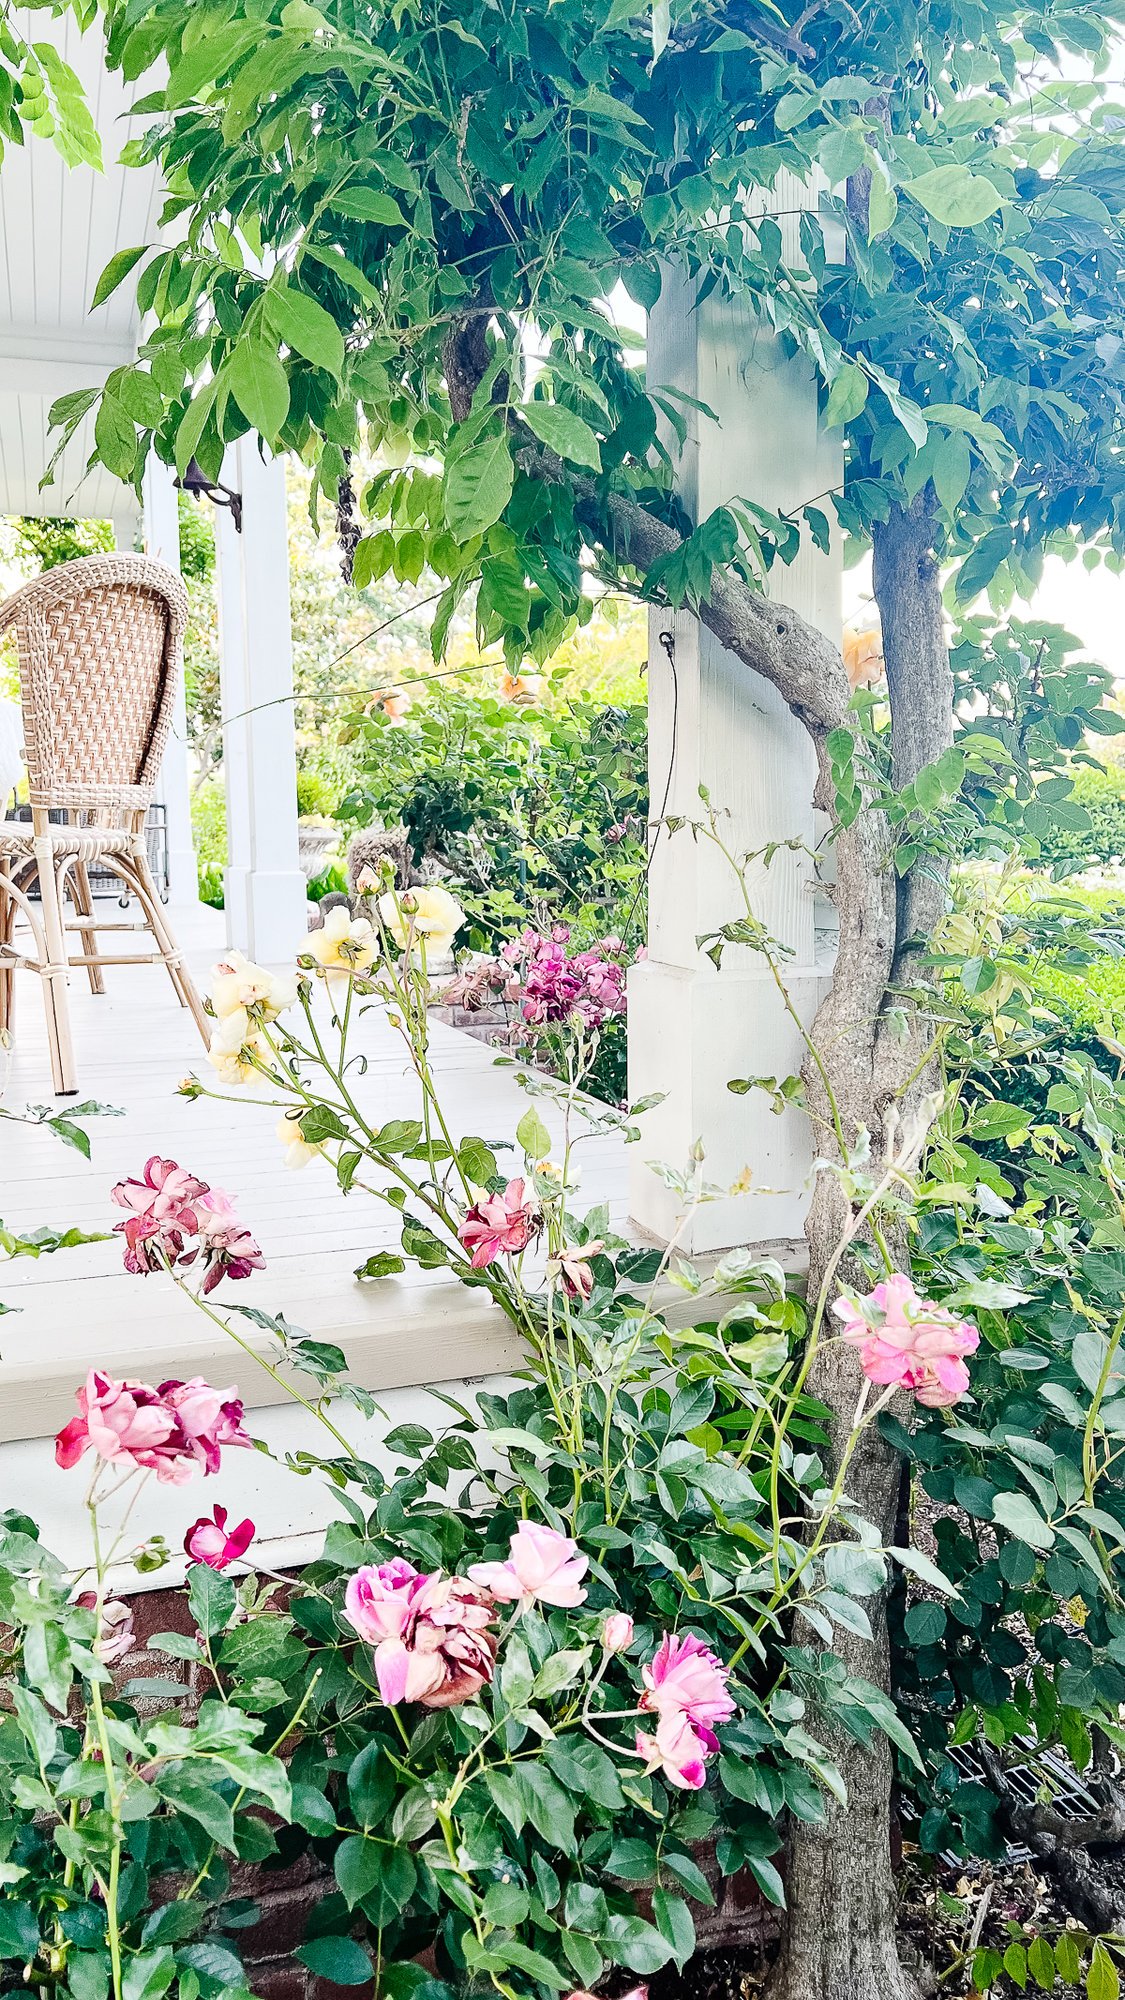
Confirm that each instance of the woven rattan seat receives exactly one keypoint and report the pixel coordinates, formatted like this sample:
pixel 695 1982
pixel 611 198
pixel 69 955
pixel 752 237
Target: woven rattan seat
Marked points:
pixel 100 650
pixel 85 843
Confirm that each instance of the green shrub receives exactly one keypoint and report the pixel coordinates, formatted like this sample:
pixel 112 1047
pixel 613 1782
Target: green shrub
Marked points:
pixel 1102 793
pixel 316 797
pixel 538 815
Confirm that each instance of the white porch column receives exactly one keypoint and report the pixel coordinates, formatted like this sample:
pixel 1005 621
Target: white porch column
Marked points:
pixel 713 723
pixel 264 889
pixel 161 534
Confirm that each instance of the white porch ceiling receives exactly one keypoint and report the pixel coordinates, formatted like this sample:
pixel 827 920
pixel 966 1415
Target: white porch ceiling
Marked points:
pixel 59 226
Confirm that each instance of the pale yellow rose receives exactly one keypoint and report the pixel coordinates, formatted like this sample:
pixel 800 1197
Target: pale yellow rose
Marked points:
pixel 343 945
pixel 236 982
pixel 863 657
pixel 413 914
pixel 522 690
pixel 234 1045
pixel 298 1152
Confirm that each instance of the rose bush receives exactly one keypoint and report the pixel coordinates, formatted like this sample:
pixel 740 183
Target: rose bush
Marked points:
pixel 552 1662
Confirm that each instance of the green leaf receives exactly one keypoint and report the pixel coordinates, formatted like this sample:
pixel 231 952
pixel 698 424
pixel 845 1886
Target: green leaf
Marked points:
pixel 306 327
pixel 1017 1513
pixel 1102 1981
pixel 312 1810
pixel 846 397
pixel 258 382
pixel 198 1796
pixel 357 1866
pixel 585 1769
pixel 380 1264
pixel 674 1922
pixel 955 196
pixel 193 424
pixel 371 1785
pixel 563 432
pixel 210 1599
pixel 364 204
pixel 477 1161
pixel 636 1944
pixel 532 1135
pixel 767 1878
pixel 413 1815
pixel 339 1960
pixel 393 1886
pixel 118 269
pixel 19 1931
pixel 478 486
pixel 1068 1962
pixel 1041 1963
pixel 1015 1964
pixel 115 435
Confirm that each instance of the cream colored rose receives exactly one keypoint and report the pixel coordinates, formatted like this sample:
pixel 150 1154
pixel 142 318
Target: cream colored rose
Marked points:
pixel 234 1045
pixel 236 982
pixel 344 946
pixel 297 1150
pixel 413 914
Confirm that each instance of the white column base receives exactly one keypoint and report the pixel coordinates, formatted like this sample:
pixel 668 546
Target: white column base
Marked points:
pixel 690 1032
pixel 267 914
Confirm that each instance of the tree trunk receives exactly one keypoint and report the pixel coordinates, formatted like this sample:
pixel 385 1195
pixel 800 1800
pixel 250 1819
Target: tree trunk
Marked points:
pixel 839 1941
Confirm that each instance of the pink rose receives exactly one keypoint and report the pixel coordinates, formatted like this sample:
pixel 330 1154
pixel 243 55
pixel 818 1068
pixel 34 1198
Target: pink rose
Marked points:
pixel 543 1567
pixel 170 1430
pixel 227 1245
pixel 617 1632
pixel 685 1678
pixel 116 1636
pixel 909 1342
pixel 174 1218
pixel 679 1749
pixel 208 1418
pixel 379 1602
pixel 209 1541
pixel 123 1422
pixel 574 1267
pixel 435 1642
pixel 500 1224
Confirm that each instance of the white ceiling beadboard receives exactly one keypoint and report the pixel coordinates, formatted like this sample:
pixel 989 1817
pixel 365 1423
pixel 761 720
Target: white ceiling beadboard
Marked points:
pixel 59 227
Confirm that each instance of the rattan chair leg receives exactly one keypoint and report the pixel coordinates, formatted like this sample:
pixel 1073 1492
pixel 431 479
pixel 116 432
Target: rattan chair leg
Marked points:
pixel 83 897
pixel 148 895
pixel 7 969
pixel 53 969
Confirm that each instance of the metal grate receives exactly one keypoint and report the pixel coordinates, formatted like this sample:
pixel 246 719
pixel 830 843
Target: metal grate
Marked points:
pixel 103 882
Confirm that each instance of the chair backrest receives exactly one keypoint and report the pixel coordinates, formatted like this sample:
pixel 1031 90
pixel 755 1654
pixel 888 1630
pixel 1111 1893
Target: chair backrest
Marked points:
pixel 100 648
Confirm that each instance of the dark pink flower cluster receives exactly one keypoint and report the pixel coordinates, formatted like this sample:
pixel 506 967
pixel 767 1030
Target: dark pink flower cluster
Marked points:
pixel 172 1430
pixel 174 1218
pixel 686 1690
pixel 552 986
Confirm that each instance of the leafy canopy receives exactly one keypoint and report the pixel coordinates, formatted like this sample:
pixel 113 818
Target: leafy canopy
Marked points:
pixel 410 223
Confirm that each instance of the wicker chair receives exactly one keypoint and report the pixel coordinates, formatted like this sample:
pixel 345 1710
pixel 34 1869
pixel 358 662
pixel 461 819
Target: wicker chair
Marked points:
pixel 100 646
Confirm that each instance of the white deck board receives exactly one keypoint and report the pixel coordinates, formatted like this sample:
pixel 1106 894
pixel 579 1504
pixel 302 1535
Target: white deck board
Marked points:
pixel 79 1306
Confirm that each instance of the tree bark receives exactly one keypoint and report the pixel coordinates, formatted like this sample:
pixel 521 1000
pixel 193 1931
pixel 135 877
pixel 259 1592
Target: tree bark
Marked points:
pixel 839 1939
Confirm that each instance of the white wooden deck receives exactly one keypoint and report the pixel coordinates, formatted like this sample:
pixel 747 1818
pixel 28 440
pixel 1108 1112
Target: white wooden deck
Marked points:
pixel 79 1306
